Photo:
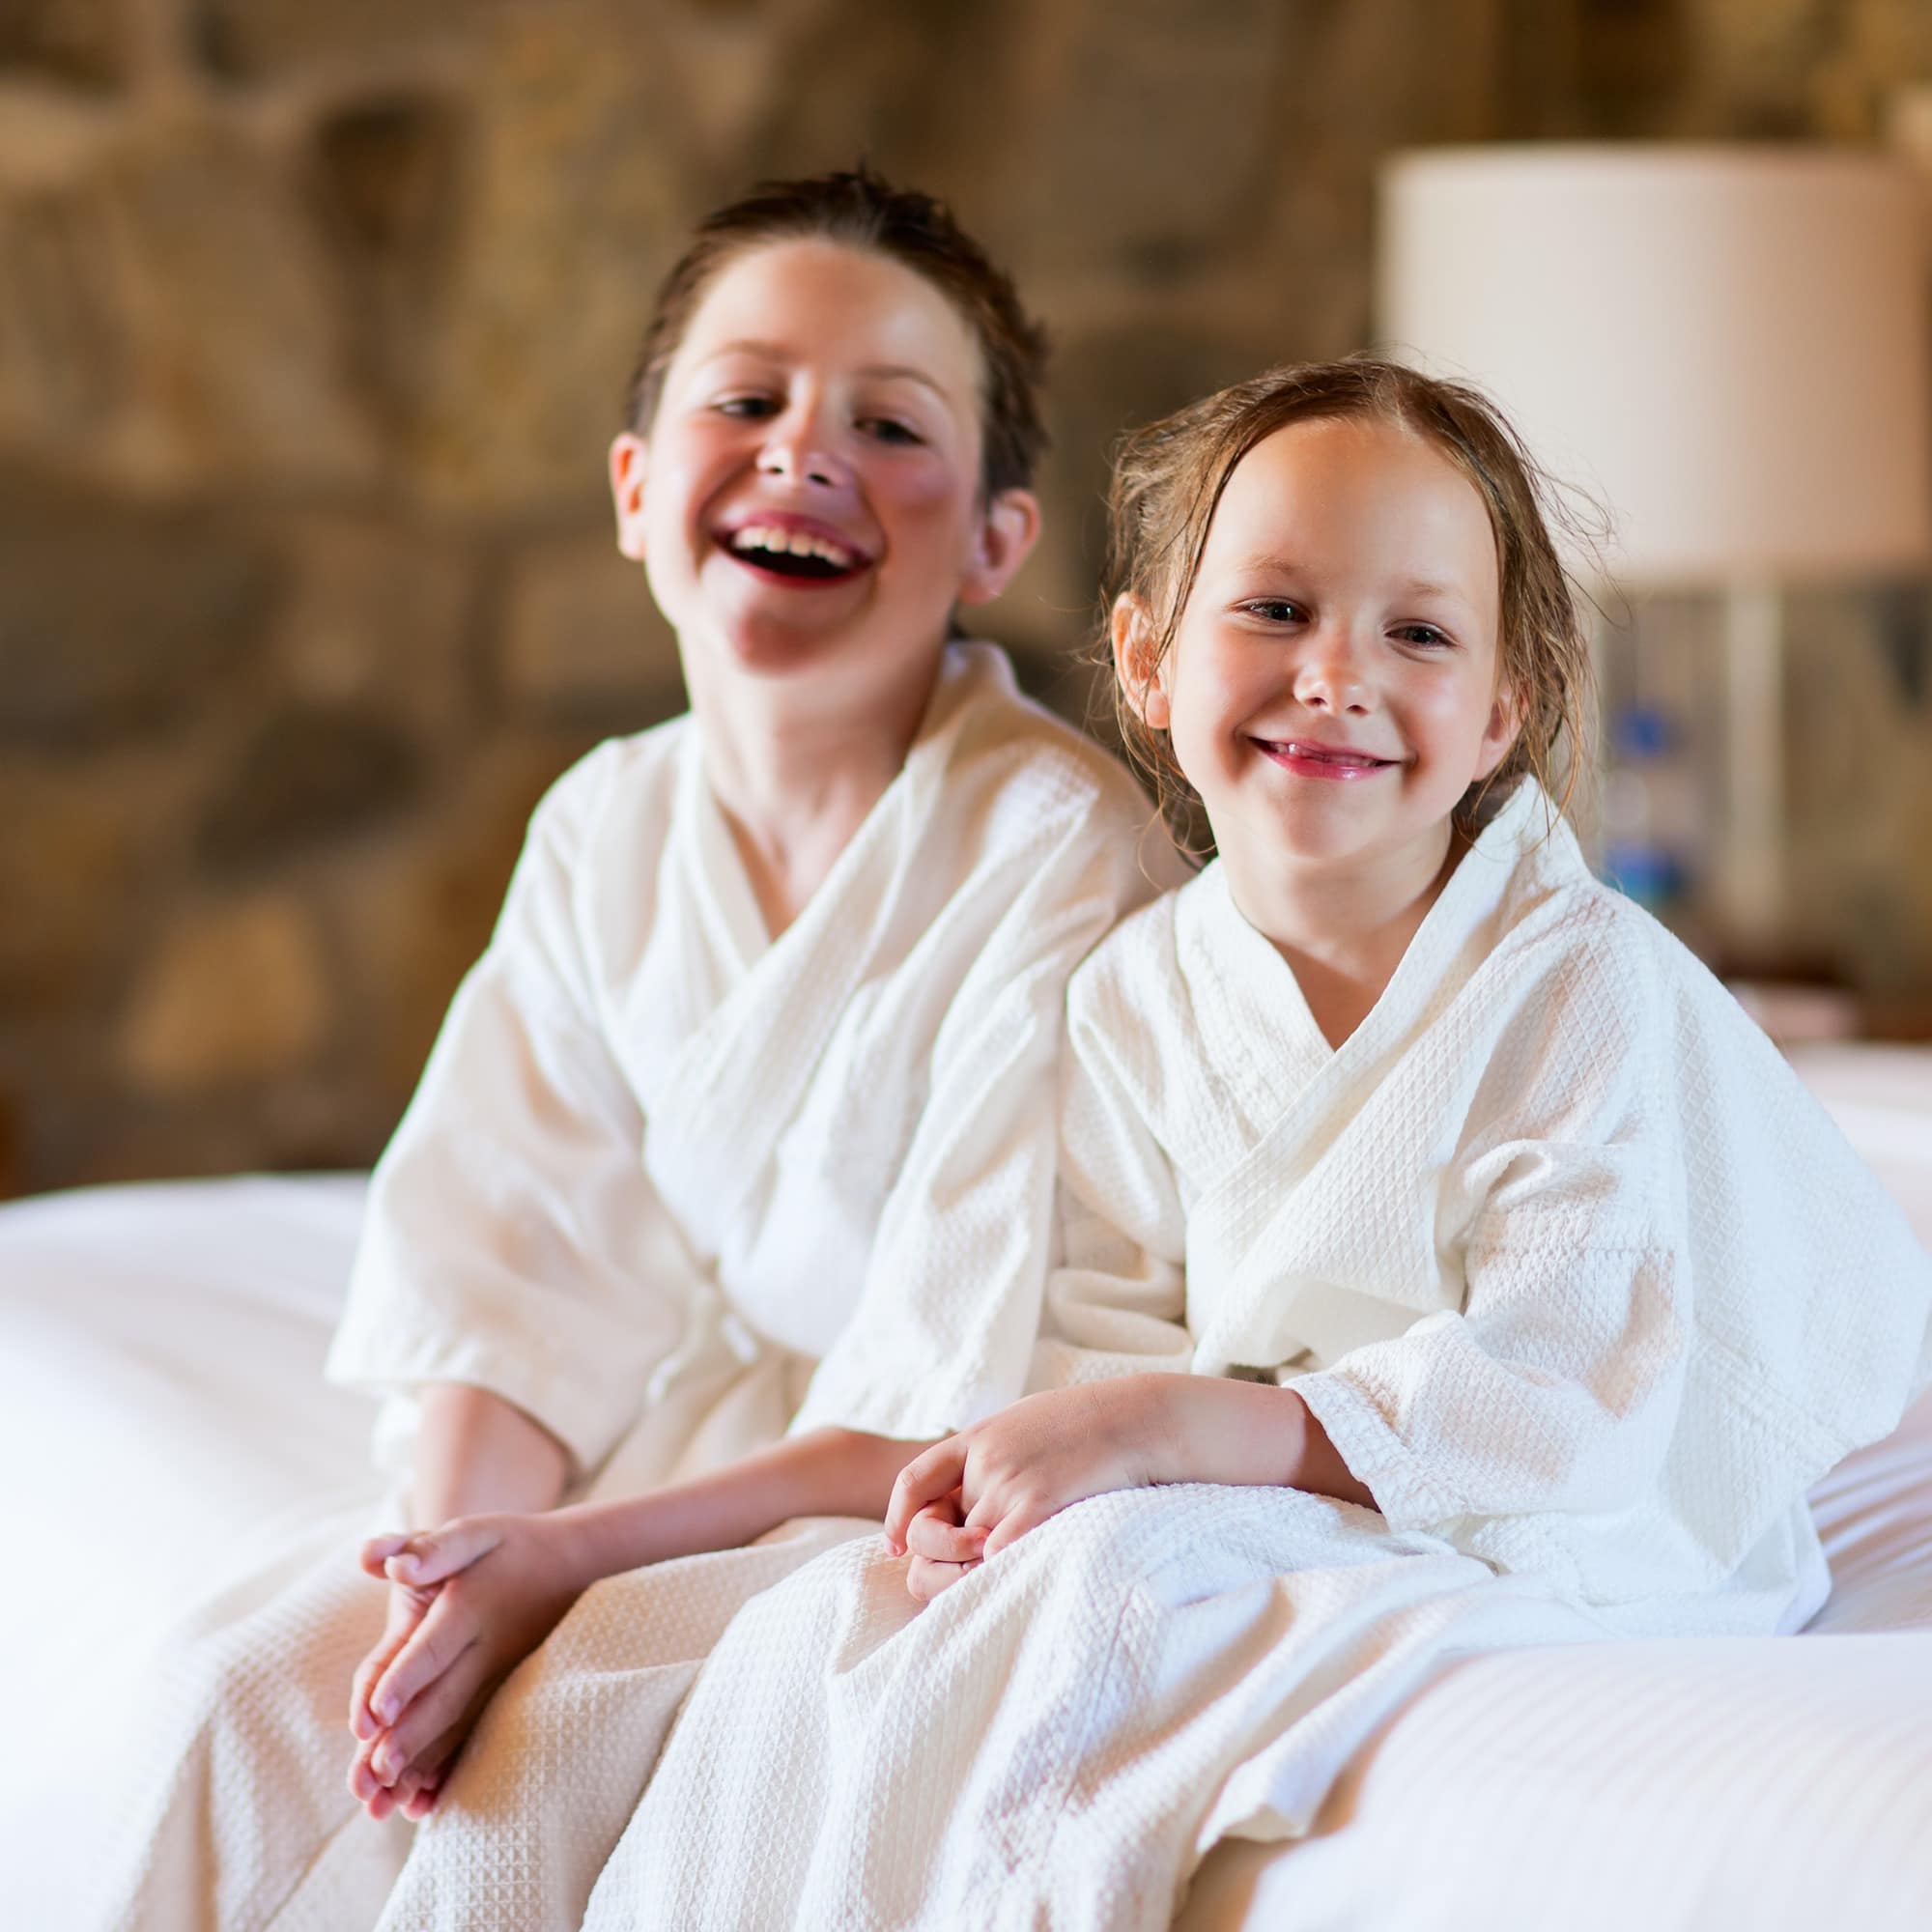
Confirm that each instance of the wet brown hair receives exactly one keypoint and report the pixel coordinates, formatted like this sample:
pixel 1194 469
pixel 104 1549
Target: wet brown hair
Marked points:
pixel 1168 480
pixel 863 211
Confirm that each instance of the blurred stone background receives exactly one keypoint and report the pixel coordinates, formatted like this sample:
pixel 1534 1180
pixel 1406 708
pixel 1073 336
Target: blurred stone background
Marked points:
pixel 314 322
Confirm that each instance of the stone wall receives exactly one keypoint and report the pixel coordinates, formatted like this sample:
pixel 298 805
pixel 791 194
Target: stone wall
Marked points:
pixel 313 326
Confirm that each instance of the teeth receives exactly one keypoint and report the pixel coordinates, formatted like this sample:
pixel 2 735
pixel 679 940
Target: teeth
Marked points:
pixel 795 543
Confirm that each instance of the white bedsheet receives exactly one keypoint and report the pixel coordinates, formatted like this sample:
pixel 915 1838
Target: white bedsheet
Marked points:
pixel 161 1347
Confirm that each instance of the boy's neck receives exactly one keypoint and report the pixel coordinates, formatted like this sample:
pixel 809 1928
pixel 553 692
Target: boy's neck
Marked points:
pixel 796 765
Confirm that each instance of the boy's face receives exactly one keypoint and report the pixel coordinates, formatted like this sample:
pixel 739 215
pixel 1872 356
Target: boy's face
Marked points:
pixel 1332 686
pixel 807 495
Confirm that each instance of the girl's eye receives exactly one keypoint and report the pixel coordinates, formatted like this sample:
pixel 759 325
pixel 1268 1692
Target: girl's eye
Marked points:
pixel 1426 635
pixel 1275 610
pixel 749 408
pixel 888 429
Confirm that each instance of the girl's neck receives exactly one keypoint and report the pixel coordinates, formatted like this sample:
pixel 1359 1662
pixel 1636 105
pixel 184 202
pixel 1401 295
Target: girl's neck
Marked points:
pixel 797 764
pixel 1345 932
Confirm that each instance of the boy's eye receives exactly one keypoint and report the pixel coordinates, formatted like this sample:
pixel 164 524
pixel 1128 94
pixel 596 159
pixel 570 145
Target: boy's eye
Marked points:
pixel 889 429
pixel 1426 635
pixel 752 407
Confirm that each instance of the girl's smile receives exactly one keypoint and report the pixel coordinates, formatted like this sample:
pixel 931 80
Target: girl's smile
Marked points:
pixel 1332 687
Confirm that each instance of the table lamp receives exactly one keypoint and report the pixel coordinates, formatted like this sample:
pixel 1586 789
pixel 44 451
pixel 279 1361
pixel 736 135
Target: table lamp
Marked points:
pixel 1728 347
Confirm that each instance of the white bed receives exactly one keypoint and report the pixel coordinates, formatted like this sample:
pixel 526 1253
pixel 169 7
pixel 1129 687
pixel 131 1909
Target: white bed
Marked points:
pixel 164 1422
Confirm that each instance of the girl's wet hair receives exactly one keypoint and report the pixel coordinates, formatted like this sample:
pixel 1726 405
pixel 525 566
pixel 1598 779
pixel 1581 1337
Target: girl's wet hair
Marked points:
pixel 1168 479
pixel 862 211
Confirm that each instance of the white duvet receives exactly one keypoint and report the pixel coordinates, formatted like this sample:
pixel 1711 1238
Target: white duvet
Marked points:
pixel 161 1353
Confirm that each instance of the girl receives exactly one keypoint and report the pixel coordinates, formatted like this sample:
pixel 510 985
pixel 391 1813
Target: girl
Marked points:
pixel 724 1190
pixel 1447 1263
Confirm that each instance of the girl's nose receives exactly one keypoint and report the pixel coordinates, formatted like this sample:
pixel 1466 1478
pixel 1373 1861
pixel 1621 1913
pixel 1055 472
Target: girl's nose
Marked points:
pixel 797 447
pixel 1329 677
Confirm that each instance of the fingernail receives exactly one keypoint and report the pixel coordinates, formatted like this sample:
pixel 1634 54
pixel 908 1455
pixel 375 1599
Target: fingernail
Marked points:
pixel 386 1710
pixel 386 1762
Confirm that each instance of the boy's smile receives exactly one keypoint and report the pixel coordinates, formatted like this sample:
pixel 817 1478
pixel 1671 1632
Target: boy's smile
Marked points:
pixel 808 491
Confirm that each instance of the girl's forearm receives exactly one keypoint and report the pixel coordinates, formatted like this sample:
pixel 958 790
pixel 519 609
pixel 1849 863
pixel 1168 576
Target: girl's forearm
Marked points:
pixel 475 1452
pixel 1224 1431
pixel 830 1472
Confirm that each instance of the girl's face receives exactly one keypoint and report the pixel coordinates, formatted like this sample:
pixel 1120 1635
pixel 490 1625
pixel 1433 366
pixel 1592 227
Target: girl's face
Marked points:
pixel 809 493
pixel 1332 685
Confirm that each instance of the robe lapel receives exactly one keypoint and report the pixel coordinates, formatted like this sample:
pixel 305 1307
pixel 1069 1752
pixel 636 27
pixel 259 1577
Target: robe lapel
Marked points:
pixel 1267 1222
pixel 739 1078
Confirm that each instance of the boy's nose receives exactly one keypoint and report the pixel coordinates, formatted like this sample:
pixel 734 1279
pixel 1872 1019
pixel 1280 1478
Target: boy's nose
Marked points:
pixel 797 448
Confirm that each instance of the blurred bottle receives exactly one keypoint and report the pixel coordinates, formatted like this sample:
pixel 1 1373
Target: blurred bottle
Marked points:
pixel 1652 811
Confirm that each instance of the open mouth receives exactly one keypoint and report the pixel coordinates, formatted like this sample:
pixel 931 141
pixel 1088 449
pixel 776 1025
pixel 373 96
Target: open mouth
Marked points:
pixel 1322 761
pixel 798 557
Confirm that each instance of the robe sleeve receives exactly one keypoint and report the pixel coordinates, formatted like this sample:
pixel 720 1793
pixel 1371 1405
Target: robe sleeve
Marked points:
pixel 1685 1298
pixel 950 1304
pixel 512 1232
pixel 1117 1297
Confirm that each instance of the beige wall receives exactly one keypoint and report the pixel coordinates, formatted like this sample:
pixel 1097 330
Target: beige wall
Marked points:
pixel 313 324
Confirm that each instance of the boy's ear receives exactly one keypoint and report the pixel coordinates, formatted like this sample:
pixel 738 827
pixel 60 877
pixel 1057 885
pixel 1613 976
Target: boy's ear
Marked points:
pixel 1009 529
pixel 1131 626
pixel 628 454
pixel 1505 723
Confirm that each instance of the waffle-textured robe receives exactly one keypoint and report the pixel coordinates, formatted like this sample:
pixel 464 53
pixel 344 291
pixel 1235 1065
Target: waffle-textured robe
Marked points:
pixel 673 1189
pixel 1581 1283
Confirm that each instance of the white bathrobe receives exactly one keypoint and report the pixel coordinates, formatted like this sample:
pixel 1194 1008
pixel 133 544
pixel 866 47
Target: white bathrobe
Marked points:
pixel 1580 1281
pixel 673 1189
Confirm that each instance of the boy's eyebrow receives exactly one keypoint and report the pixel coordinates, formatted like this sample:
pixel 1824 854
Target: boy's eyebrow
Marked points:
pixel 774 351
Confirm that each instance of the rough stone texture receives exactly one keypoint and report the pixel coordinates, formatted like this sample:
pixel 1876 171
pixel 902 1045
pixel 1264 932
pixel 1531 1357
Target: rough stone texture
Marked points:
pixel 65 368
pixel 240 41
pixel 78 42
pixel 236 321
pixel 583 642
pixel 408 919
pixel 306 777
pixel 379 614
pixel 67 852
pixel 576 208
pixel 236 992
pixel 1206 76
pixel 315 321
pixel 116 618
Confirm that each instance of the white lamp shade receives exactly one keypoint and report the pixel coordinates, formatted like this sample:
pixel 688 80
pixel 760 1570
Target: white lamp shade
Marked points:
pixel 1728 347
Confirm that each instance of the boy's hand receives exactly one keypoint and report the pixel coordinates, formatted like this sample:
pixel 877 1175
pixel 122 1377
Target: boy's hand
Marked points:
pixel 493 1588
pixel 1016 1468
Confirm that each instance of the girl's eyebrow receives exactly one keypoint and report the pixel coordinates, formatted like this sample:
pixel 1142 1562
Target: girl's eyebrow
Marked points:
pixel 773 352
pixel 1278 563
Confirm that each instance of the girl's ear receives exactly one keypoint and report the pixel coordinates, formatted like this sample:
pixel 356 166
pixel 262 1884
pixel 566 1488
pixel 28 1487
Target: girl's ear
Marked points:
pixel 1009 529
pixel 628 454
pixel 1131 626
pixel 1505 722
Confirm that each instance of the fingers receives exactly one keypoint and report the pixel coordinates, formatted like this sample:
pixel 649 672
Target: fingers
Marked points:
pixel 431 1555
pixel 938 1536
pixel 405 1613
pixel 447 1630
pixel 1026 1513
pixel 927 1477
pixel 436 1717
pixel 925 1580
pixel 377 1550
